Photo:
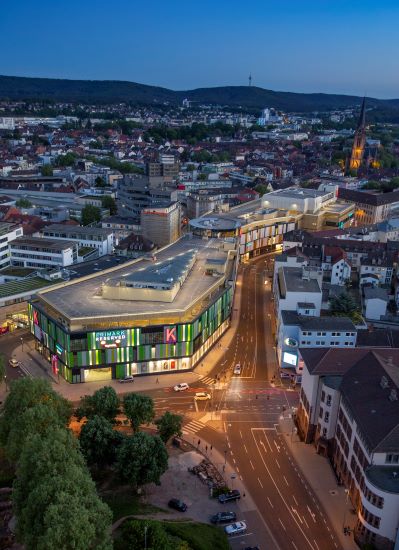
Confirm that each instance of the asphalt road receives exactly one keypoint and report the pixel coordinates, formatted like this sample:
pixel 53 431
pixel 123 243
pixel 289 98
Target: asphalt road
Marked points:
pixel 286 512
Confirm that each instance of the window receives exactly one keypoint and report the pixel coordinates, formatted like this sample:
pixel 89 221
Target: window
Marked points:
pixel 392 459
pixel 328 401
pixel 323 396
pixel 321 412
pixel 324 432
pixel 326 416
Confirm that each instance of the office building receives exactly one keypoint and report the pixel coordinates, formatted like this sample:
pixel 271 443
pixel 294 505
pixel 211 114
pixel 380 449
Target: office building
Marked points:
pixel 161 224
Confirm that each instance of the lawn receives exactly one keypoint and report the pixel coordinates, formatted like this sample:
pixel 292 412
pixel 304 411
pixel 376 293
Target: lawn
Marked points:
pixel 199 536
pixel 124 503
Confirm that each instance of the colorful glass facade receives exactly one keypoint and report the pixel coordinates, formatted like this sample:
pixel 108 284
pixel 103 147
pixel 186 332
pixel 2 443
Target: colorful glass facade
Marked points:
pixel 142 350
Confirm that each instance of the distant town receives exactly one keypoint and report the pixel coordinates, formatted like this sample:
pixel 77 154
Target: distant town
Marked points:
pixel 250 258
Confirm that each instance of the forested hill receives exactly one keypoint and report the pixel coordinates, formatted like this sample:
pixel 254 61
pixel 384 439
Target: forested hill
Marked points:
pixel 112 91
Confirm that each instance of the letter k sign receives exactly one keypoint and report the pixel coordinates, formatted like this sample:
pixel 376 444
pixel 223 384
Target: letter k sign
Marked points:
pixel 170 335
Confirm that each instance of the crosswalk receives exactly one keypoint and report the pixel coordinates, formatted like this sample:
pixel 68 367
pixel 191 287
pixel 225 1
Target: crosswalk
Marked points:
pixel 193 427
pixel 207 380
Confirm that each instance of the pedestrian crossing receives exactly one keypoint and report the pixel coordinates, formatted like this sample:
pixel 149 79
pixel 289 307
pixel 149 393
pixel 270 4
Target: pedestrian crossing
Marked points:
pixel 193 427
pixel 207 380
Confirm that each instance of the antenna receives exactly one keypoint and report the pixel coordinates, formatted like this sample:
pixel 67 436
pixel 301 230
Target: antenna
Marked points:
pixel 250 80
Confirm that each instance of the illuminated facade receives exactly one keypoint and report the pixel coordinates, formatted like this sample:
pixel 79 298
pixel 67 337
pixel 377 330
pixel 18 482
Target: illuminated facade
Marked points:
pixel 359 142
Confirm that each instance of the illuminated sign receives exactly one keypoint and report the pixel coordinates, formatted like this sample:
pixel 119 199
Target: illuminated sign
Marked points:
pixel 291 342
pixel 170 336
pixel 111 338
pixel 35 317
pixel 54 364
pixel 59 349
pixel 290 358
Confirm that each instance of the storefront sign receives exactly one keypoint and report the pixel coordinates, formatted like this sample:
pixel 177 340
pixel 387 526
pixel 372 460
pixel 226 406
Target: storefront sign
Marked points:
pixel 111 338
pixel 54 364
pixel 170 336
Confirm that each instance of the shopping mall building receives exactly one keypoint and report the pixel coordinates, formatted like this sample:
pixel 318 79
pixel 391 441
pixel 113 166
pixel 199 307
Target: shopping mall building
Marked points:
pixel 148 316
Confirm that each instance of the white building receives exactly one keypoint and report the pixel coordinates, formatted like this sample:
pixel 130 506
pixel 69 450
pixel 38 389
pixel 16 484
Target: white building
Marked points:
pixel 349 408
pixel 8 232
pixel 375 302
pixel 298 199
pixel 295 285
pixel 99 239
pixel 42 253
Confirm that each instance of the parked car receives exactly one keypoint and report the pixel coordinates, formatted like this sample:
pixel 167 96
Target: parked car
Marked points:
pixel 235 528
pixel 237 369
pixel 181 387
pixel 14 363
pixel 177 504
pixel 202 396
pixel 222 517
pixel 128 378
pixel 230 496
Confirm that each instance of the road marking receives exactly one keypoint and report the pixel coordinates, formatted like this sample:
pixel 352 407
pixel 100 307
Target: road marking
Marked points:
pixel 285 479
pixel 241 434
pixel 317 546
pixel 306 523
pixel 312 514
pixel 296 502
pixel 260 483
pixel 245 447
pixel 252 464
pixel 294 545
pixel 278 463
pixel 270 502
pixel 282 524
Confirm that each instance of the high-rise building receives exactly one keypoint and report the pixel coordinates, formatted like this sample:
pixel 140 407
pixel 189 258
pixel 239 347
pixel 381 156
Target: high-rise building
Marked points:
pixel 359 142
pixel 161 224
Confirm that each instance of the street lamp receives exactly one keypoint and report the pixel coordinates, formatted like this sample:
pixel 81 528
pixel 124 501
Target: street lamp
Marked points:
pixel 5 380
pixel 232 477
pixel 22 344
pixel 225 457
pixel 145 537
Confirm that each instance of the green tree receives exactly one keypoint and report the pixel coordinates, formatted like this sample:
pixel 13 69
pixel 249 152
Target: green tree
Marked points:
pixel 344 305
pixel 99 441
pixel 90 214
pixel 23 203
pixel 110 203
pixel 169 425
pixel 46 170
pixel 202 177
pixel 139 409
pixel 104 402
pixel 55 499
pixel 65 160
pixel 261 189
pixel 26 394
pixel 2 367
pixel 135 533
pixel 141 459
pixel 100 182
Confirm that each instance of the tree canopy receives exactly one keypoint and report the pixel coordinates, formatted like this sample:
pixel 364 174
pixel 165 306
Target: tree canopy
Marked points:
pixel 110 203
pixel 104 402
pixel 90 214
pixel 141 459
pixel 169 425
pixel 99 441
pixel 344 305
pixel 139 409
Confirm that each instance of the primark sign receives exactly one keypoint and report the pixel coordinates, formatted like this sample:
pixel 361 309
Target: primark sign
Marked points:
pixel 111 338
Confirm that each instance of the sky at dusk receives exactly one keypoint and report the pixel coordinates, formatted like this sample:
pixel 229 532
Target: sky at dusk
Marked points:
pixel 338 46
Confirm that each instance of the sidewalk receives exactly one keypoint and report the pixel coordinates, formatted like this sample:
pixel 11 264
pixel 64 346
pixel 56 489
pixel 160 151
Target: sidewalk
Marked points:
pixel 33 364
pixel 319 474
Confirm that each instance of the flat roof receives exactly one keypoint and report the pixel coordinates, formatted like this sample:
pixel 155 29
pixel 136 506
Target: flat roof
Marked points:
pixel 40 242
pixel 295 283
pixel 81 299
pixel 72 229
pixel 298 192
pixel 215 223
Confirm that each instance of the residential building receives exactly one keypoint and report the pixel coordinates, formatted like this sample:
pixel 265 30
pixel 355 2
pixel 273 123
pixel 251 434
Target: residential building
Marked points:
pixel 370 207
pixel 349 409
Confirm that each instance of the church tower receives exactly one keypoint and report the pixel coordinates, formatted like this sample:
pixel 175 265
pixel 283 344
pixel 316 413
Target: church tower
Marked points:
pixel 359 142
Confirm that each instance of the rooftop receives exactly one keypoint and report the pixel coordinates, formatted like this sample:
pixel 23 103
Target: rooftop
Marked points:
pixel 317 323
pixel 75 229
pixel 215 223
pixel 295 283
pixel 38 243
pixel 385 478
pixel 81 300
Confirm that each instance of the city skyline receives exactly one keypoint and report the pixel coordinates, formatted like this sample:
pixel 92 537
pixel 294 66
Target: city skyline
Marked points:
pixel 328 47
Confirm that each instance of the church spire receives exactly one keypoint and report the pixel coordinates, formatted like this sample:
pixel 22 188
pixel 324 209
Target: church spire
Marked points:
pixel 359 141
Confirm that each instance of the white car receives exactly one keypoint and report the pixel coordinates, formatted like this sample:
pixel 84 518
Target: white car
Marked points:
pixel 202 396
pixel 126 379
pixel 181 387
pixel 237 369
pixel 235 528
pixel 13 363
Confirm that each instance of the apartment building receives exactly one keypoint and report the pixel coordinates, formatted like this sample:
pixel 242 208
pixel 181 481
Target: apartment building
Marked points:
pixel 349 409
